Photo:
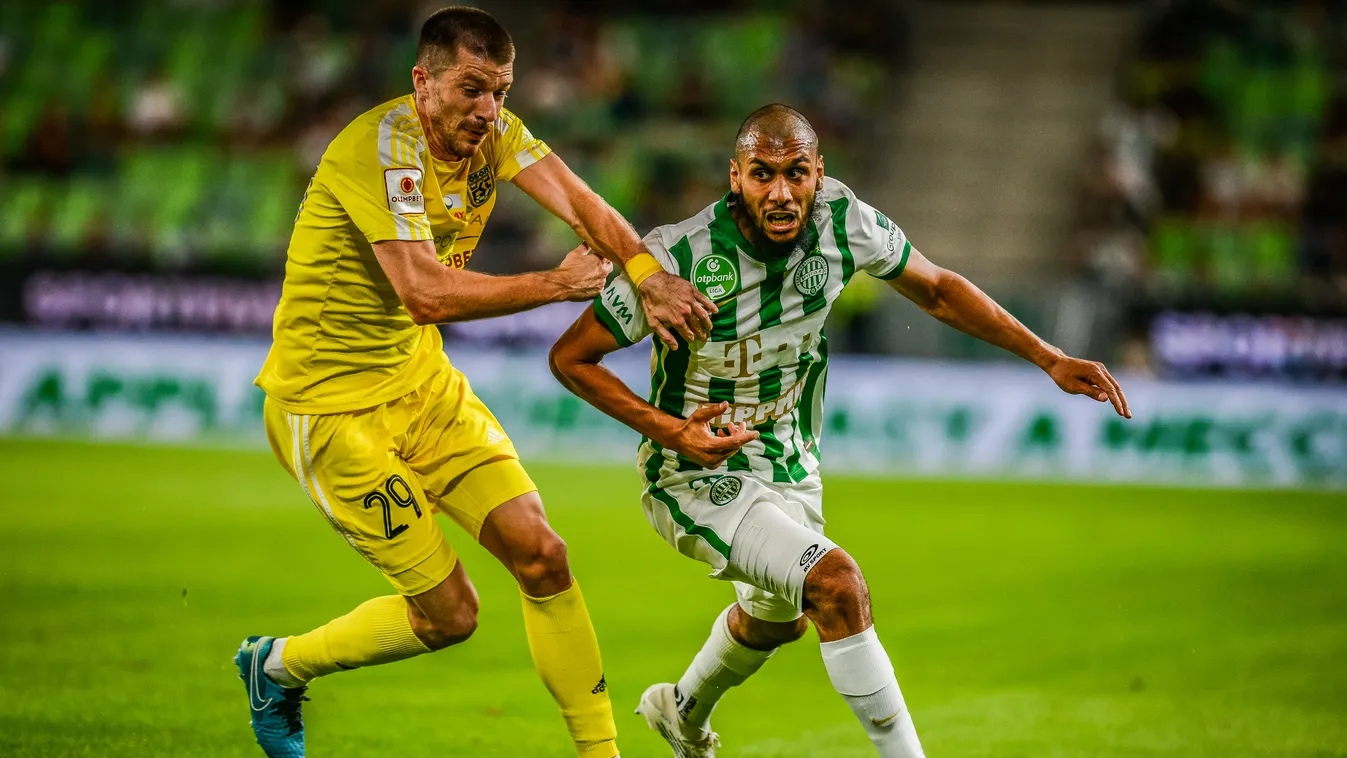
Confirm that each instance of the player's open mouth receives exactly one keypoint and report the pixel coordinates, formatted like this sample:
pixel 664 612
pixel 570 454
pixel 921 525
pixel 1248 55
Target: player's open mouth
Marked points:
pixel 780 221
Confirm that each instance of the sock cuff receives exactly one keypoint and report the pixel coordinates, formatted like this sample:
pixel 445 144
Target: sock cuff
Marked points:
pixel 562 612
pixel 857 665
pixel 735 656
pixel 575 587
pixel 393 633
pixel 296 665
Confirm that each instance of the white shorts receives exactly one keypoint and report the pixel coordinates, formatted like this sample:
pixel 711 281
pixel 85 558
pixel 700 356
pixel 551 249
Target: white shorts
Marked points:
pixel 764 537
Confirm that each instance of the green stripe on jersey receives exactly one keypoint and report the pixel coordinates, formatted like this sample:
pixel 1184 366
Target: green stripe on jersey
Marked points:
pixel 769 389
pixel 652 468
pixel 771 297
pixel 806 414
pixel 839 208
pixel 819 300
pixel 724 241
pixel 668 385
pixel 682 253
pixel 610 323
pixel 902 263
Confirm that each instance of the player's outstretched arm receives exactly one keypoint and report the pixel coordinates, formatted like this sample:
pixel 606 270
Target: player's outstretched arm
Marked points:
pixel 577 362
pixel 434 293
pixel 959 303
pixel 671 303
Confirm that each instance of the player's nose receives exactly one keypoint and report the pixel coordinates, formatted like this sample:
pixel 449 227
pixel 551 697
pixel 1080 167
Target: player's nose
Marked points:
pixel 779 193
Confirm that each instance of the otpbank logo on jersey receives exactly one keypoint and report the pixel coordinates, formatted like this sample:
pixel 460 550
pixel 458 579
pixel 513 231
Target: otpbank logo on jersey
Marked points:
pixel 716 276
pixel 811 276
pixel 404 190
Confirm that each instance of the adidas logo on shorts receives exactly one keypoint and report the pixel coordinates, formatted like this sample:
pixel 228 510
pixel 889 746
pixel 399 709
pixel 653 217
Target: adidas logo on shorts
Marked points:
pixel 602 686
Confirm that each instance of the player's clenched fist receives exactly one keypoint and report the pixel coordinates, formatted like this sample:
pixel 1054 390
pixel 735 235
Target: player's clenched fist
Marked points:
pixel 582 274
pixel 694 439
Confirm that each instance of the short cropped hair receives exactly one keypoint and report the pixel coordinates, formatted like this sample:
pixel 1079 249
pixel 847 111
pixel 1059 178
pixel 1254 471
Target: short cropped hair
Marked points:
pixel 460 27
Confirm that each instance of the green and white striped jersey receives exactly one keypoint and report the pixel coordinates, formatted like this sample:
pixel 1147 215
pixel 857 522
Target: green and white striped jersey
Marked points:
pixel 766 354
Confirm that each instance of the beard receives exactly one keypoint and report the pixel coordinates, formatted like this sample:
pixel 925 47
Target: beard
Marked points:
pixel 449 135
pixel 805 237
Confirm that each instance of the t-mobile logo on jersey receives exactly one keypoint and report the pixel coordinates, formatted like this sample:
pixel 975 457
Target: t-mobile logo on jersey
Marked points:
pixel 745 359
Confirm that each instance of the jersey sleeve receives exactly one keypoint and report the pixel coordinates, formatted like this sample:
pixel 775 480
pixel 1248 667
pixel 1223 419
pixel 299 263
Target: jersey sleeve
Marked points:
pixel 618 307
pixel 516 148
pixel 880 247
pixel 378 181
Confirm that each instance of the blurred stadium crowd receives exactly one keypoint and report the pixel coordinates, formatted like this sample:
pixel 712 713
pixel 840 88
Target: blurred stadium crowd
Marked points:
pixel 1221 171
pixel 178 135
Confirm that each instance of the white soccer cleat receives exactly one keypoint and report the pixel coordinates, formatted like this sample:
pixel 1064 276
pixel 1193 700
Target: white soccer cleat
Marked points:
pixel 660 709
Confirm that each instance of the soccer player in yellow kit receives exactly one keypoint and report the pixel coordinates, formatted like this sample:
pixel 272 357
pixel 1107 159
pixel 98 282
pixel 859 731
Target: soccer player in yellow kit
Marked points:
pixel 364 409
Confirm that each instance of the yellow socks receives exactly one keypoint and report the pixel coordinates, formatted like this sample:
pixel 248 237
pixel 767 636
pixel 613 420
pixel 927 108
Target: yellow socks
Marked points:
pixel 378 631
pixel 566 654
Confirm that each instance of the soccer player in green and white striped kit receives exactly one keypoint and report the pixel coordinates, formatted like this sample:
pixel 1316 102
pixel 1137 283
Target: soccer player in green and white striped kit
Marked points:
pixel 731 429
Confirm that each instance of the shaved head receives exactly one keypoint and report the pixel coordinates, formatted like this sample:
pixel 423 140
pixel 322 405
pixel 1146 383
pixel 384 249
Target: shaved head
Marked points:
pixel 774 175
pixel 774 126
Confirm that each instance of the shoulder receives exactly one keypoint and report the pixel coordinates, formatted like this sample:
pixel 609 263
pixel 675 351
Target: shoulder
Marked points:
pixel 672 241
pixel 510 129
pixel 833 190
pixel 860 215
pixel 389 133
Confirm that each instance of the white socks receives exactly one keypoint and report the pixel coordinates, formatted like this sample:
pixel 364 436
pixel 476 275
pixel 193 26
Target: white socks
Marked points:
pixel 862 674
pixel 274 666
pixel 722 663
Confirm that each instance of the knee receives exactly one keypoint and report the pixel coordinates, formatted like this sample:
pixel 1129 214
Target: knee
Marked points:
pixel 836 597
pixel 765 635
pixel 542 569
pixel 448 627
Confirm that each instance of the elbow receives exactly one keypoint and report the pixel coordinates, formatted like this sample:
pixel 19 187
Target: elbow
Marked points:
pixel 939 298
pixel 557 362
pixel 426 313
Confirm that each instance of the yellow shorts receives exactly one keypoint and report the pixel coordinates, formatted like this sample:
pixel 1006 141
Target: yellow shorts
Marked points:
pixel 379 474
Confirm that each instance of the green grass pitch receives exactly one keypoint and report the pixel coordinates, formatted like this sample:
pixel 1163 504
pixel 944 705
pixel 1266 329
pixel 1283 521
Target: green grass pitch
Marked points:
pixel 1025 620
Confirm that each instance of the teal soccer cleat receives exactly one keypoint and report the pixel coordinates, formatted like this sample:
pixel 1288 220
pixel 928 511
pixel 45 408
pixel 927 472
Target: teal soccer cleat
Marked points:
pixel 277 722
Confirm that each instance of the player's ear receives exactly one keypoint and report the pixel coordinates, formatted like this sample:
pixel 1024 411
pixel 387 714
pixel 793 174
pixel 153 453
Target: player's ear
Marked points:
pixel 734 176
pixel 820 170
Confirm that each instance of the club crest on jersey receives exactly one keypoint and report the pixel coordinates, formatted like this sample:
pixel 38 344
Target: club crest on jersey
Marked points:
pixel 716 276
pixel 480 185
pixel 721 489
pixel 811 276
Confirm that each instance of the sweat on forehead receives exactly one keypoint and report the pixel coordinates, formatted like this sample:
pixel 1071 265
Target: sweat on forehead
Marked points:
pixel 775 126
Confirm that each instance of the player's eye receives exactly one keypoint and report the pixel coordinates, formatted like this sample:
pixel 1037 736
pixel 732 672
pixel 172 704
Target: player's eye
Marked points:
pixel 471 91
pixel 762 175
pixel 795 173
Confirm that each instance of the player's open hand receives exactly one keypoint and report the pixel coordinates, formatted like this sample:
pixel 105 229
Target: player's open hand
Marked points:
pixel 1089 378
pixel 672 304
pixel 582 274
pixel 709 448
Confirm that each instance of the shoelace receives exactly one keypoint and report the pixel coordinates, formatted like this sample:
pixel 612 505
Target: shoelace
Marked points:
pixel 288 708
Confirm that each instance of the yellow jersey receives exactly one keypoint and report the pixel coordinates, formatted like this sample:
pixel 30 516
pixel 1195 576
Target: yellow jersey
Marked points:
pixel 341 338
